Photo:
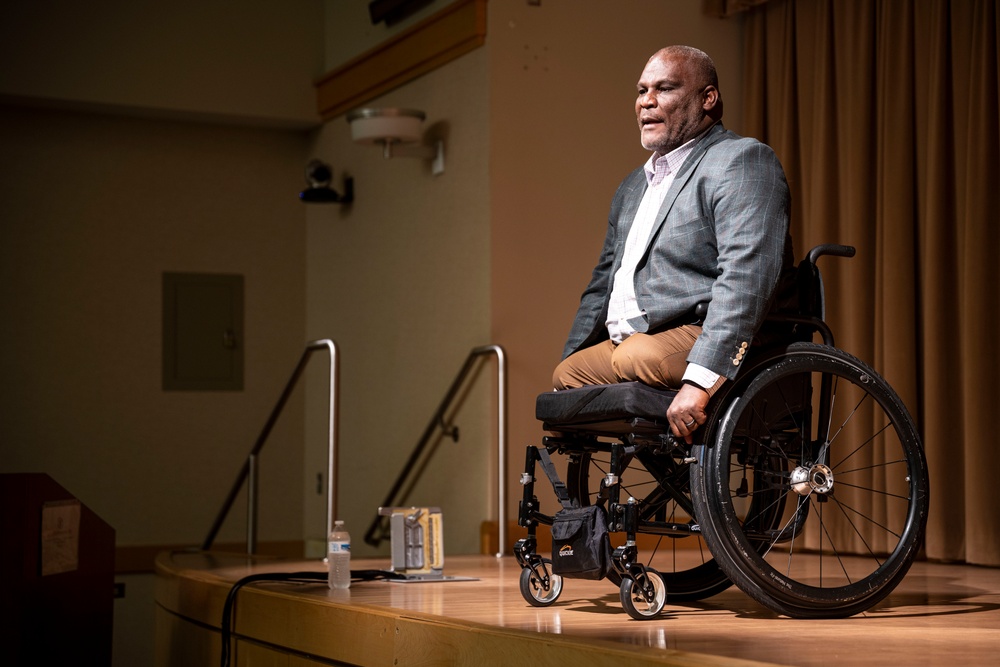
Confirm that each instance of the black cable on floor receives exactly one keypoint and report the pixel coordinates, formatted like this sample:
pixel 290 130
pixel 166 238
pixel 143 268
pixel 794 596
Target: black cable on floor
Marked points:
pixel 229 608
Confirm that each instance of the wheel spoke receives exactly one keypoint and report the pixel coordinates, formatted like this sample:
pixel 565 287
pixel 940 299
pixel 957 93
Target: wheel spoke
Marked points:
pixel 845 508
pixel 864 444
pixel 836 553
pixel 874 466
pixel 878 492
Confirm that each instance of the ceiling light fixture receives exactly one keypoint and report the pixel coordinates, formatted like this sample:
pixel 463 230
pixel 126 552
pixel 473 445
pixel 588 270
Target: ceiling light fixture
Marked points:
pixel 395 130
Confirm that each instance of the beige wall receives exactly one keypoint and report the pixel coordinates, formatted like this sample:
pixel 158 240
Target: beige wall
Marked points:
pixel 94 210
pixel 400 280
pixel 102 189
pixel 251 62
pixel 95 207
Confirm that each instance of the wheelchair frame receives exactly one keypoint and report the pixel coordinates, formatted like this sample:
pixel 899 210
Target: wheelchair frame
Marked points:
pixel 807 485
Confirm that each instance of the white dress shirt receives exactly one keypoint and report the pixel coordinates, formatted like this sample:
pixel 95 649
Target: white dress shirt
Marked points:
pixel 623 306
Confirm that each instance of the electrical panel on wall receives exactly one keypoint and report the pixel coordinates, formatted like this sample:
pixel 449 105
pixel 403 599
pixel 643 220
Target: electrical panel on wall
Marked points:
pixel 202 332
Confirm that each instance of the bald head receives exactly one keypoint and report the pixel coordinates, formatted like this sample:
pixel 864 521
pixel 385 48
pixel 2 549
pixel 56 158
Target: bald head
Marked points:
pixel 701 65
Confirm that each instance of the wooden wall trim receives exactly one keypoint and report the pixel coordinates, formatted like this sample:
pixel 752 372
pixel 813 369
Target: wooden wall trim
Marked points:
pixel 435 41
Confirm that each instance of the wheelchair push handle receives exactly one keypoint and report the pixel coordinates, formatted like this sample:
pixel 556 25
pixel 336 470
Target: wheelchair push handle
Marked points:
pixel 830 249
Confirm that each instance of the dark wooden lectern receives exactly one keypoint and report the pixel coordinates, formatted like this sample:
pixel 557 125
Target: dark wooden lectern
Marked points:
pixel 57 570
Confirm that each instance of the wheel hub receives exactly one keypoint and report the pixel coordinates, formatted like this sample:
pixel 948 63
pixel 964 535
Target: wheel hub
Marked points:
pixel 816 478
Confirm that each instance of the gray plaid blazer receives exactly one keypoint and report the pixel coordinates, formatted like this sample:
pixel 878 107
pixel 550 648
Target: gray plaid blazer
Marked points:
pixel 721 237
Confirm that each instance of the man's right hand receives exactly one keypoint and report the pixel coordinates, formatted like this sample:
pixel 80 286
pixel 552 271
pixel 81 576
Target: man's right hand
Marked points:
pixel 687 411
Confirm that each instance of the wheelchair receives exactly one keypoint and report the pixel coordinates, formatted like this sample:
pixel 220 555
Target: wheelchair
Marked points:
pixel 807 487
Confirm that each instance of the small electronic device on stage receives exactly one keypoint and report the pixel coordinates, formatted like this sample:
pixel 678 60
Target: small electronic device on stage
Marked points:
pixel 417 549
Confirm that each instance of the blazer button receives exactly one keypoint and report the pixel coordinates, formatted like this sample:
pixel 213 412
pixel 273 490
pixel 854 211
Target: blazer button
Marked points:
pixel 736 362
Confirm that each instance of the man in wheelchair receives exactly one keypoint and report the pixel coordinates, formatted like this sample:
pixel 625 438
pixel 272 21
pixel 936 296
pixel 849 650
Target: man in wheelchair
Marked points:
pixel 806 484
pixel 705 220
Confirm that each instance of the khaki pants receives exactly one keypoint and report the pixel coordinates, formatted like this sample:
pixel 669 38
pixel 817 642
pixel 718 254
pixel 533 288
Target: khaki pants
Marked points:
pixel 658 360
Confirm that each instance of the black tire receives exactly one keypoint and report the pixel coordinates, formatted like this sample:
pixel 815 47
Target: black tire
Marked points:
pixel 684 562
pixel 635 604
pixel 808 533
pixel 533 590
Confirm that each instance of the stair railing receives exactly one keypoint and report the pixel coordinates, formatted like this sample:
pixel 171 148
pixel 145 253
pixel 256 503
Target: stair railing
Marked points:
pixel 376 530
pixel 249 471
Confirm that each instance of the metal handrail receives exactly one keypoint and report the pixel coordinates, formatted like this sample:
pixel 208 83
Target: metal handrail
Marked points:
pixel 438 422
pixel 249 469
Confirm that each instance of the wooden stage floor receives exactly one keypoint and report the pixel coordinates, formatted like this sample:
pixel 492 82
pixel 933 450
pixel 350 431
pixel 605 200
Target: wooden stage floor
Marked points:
pixel 939 615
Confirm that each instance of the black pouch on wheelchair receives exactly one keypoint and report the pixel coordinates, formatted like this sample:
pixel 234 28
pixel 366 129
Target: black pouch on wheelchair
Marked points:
pixel 581 548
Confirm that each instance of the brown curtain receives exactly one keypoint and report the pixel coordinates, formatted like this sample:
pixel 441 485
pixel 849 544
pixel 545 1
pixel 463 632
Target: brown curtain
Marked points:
pixel 885 114
pixel 727 8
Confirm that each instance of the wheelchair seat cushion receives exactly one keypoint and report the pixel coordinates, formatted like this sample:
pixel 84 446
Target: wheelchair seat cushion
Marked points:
pixel 611 407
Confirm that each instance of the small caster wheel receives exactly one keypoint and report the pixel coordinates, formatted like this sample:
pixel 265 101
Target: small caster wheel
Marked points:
pixel 533 589
pixel 635 602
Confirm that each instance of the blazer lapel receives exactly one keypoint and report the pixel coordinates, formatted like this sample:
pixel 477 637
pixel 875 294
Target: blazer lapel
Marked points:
pixel 683 176
pixel 630 205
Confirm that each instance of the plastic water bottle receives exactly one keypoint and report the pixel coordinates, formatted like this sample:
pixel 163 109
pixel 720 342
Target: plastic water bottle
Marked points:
pixel 338 556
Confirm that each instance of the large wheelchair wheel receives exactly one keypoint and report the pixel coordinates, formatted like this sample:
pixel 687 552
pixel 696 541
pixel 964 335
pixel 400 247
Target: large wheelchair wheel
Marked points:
pixel 811 484
pixel 662 487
